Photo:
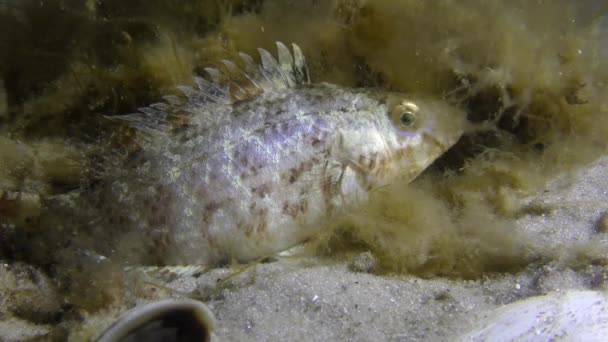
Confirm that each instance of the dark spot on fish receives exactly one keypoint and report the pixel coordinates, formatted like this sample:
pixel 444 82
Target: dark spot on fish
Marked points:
pixel 315 141
pixel 213 176
pixel 160 242
pixel 212 241
pixel 262 190
pixel 361 160
pixel 284 127
pixel 374 160
pixel 287 209
pixel 248 228
pixel 209 210
pixel 330 183
pixel 296 172
pixel 295 209
pixel 258 225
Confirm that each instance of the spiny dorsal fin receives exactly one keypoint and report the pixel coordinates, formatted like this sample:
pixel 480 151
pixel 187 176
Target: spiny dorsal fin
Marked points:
pixel 286 64
pixel 208 103
pixel 270 75
pixel 238 85
pixel 270 70
pixel 299 66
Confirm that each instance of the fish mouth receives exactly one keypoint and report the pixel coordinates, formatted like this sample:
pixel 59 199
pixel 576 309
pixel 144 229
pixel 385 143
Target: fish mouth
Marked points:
pixel 441 145
pixel 410 165
pixel 406 163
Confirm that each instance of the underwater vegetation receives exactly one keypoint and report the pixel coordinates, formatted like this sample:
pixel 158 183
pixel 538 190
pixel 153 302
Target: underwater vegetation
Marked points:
pixel 531 76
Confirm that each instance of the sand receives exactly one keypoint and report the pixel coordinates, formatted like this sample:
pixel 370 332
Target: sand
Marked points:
pixel 317 299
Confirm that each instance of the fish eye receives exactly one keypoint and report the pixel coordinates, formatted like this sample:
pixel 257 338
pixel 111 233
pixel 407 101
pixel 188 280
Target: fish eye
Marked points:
pixel 407 119
pixel 404 115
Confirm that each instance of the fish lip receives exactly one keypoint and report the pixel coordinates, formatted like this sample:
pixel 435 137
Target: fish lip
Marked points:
pixel 443 144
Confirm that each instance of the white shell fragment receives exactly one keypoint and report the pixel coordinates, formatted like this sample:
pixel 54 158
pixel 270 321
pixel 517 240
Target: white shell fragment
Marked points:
pixel 569 316
pixel 166 320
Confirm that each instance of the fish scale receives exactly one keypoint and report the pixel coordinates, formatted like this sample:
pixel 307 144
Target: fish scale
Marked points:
pixel 256 161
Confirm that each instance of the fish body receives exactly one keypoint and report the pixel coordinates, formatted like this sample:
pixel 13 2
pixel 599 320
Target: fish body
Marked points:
pixel 259 165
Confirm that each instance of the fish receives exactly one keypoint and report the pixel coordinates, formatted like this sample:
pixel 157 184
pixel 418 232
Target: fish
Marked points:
pixel 255 159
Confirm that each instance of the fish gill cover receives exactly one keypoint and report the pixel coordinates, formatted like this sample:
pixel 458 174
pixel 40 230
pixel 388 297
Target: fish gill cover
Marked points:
pixel 530 75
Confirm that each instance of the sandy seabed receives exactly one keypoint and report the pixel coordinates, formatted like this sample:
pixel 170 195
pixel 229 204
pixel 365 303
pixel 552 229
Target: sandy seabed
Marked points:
pixel 307 299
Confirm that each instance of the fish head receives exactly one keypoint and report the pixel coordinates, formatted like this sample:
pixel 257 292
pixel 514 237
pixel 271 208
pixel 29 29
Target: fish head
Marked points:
pixel 402 135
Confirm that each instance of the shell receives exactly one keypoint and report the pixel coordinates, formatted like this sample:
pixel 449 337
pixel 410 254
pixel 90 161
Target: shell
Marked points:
pixel 573 315
pixel 170 319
